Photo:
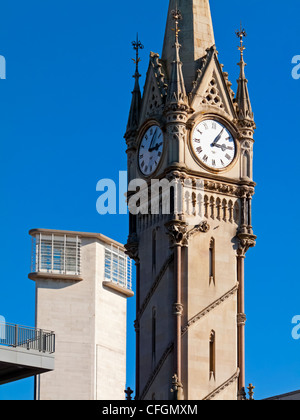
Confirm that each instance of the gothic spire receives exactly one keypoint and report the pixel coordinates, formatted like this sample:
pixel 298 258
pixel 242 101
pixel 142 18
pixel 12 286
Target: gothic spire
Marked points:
pixel 242 97
pixel 134 114
pixel 176 90
pixel 196 36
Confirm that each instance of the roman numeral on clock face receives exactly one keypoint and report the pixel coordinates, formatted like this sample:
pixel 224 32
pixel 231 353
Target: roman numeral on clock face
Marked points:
pixel 199 149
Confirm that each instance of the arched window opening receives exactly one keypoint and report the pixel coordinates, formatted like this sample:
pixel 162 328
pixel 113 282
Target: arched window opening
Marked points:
pixel 212 356
pixel 212 262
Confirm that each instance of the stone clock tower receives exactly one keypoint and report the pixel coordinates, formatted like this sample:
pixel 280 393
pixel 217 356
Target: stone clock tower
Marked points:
pixel 192 131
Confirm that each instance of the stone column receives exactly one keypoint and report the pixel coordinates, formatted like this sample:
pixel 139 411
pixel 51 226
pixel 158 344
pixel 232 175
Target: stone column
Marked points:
pixel 241 321
pixel 177 232
pixel 132 250
pixel 137 330
pixel 246 241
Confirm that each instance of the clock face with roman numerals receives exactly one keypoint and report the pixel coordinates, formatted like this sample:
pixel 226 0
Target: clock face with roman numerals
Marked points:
pixel 150 150
pixel 213 144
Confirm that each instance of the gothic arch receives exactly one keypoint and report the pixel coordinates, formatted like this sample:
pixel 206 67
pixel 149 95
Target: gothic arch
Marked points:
pixel 246 164
pixel 212 355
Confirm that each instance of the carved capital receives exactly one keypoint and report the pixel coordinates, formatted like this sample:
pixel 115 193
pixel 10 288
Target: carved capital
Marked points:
pixel 177 232
pixel 136 326
pixel 246 241
pixel 132 250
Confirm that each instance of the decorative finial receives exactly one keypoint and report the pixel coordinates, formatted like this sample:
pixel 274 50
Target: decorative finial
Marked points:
pixel 251 389
pixel 177 16
pixel 137 45
pixel 241 34
pixel 128 393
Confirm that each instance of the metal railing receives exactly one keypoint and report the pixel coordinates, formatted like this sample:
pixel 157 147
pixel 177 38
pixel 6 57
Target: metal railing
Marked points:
pixel 118 267
pixel 12 335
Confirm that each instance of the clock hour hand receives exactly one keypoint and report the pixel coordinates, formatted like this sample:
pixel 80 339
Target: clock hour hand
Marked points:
pixel 223 147
pixel 217 138
pixel 156 147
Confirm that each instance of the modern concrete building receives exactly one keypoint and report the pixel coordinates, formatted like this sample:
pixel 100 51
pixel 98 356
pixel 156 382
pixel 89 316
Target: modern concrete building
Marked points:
pixel 82 281
pixel 25 352
pixel 190 129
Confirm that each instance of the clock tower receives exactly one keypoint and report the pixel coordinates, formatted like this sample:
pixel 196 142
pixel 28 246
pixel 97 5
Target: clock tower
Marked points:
pixel 190 131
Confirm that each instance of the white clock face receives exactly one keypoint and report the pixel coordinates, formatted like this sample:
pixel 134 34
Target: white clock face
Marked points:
pixel 151 149
pixel 213 144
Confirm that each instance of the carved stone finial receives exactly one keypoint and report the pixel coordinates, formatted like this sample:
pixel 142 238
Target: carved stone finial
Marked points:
pixel 177 388
pixel 128 393
pixel 242 395
pixel 251 389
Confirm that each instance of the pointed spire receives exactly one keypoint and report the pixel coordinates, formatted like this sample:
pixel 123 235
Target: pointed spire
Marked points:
pixel 242 97
pixel 176 91
pixel 134 114
pixel 195 37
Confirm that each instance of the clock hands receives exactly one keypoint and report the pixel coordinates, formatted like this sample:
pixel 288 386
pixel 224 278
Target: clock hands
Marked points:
pixel 156 147
pixel 153 140
pixel 217 138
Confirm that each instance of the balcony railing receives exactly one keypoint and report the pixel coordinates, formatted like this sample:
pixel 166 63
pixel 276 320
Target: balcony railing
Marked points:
pixel 12 335
pixel 118 268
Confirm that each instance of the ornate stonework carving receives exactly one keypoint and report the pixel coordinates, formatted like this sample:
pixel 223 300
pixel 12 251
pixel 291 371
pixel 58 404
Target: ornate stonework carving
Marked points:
pixel 203 227
pixel 177 388
pixel 246 241
pixel 212 95
pixel 177 232
pixel 177 131
pixel 132 249
pixel 177 309
pixel 241 320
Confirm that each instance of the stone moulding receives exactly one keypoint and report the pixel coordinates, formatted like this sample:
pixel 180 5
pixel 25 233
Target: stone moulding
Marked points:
pixel 223 386
pixel 155 285
pixel 157 370
pixel 209 308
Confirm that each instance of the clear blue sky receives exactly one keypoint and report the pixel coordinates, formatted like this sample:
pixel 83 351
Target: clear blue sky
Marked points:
pixel 63 114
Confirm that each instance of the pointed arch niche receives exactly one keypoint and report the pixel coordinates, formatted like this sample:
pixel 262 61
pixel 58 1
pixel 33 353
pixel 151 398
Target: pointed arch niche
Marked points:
pixel 212 262
pixel 212 355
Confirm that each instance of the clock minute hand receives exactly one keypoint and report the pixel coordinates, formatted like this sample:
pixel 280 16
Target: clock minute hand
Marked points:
pixel 153 140
pixel 217 138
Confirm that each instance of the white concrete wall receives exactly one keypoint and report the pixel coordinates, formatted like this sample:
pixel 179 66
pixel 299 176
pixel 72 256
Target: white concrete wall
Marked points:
pixel 90 326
